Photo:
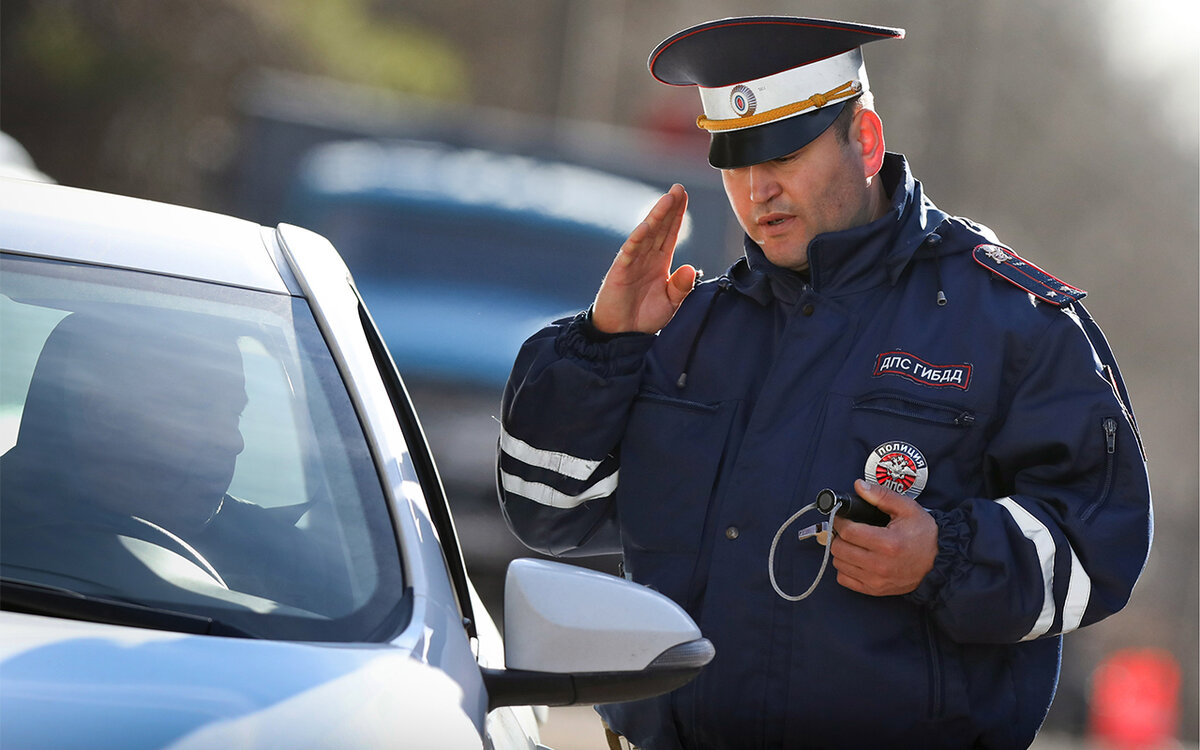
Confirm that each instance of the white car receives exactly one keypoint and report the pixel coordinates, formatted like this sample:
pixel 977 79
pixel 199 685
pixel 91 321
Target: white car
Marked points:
pixel 220 526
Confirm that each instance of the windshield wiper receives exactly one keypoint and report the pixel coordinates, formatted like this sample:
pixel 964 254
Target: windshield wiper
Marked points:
pixel 39 599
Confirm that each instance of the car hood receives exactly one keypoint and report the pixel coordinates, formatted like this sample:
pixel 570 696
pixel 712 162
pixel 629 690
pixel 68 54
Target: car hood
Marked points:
pixel 75 684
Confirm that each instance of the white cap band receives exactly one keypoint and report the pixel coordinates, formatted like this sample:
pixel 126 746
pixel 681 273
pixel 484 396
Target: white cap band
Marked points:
pixel 752 103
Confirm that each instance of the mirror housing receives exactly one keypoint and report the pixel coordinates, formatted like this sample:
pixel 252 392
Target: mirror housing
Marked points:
pixel 574 635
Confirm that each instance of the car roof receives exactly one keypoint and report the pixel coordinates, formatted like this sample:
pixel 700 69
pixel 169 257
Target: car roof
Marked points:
pixel 81 225
pixel 478 181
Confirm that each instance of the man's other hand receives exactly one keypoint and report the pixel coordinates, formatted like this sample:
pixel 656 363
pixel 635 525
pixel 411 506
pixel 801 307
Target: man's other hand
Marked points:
pixel 885 561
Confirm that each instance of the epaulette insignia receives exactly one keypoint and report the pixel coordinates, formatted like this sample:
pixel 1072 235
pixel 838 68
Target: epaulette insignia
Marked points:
pixel 1007 264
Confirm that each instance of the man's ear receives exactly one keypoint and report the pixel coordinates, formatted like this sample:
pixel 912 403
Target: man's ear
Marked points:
pixel 870 138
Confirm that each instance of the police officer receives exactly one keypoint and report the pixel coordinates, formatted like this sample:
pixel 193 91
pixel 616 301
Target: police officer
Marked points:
pixel 867 342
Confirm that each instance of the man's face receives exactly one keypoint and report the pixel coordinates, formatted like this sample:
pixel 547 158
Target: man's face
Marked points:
pixel 786 202
pixel 163 443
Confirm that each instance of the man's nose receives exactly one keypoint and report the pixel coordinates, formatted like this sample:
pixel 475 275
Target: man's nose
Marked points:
pixel 763 183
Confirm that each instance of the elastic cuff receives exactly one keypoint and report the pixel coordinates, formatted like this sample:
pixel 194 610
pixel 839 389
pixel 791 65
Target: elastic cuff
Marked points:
pixel 954 536
pixel 595 334
pixel 615 353
pixel 588 327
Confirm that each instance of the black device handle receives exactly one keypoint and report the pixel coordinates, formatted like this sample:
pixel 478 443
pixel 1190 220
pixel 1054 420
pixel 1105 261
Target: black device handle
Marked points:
pixel 853 507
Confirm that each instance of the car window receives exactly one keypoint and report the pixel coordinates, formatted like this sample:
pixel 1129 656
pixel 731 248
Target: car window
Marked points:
pixel 187 446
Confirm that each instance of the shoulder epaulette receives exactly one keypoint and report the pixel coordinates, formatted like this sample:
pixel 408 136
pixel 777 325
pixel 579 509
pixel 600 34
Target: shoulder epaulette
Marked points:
pixel 1005 263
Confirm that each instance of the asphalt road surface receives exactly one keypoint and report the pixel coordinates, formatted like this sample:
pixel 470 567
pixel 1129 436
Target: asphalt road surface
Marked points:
pixel 578 728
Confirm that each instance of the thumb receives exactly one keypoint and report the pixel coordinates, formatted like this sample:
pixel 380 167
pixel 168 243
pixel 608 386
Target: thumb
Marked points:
pixel 892 503
pixel 680 284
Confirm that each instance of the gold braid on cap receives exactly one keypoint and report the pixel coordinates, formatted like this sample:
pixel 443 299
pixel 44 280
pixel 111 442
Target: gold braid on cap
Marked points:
pixel 816 101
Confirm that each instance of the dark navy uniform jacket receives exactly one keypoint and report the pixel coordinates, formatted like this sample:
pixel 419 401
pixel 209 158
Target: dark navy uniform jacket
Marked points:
pixel 1001 411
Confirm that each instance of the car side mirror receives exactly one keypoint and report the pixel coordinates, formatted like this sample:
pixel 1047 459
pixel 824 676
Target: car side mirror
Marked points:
pixel 574 635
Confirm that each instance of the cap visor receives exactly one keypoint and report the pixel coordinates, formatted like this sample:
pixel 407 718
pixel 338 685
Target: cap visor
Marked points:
pixel 741 148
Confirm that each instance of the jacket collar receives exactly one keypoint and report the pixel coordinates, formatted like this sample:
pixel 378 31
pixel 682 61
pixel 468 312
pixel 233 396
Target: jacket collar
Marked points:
pixel 853 260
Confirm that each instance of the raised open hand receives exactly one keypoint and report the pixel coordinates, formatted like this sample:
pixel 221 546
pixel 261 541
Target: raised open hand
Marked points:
pixel 640 293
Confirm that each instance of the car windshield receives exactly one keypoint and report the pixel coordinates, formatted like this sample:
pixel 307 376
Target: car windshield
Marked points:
pixel 190 447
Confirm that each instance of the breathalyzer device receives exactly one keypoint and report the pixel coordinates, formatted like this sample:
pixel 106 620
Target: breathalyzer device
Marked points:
pixel 832 503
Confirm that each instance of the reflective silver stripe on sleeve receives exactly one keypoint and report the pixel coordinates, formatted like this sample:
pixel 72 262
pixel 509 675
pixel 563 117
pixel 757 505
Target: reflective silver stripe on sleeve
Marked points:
pixel 1036 532
pixel 562 463
pixel 1079 591
pixel 1079 587
pixel 547 495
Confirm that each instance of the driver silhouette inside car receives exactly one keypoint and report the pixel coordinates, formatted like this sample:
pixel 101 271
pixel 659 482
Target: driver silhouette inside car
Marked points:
pixel 127 446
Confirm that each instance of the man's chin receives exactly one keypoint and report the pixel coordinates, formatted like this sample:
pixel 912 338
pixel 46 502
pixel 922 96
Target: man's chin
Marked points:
pixel 786 256
pixel 197 516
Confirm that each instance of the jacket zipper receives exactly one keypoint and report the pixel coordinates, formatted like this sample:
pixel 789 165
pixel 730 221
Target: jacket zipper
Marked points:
pixel 1109 425
pixel 925 412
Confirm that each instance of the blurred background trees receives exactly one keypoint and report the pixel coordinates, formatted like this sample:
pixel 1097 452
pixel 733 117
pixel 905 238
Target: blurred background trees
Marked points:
pixel 1068 126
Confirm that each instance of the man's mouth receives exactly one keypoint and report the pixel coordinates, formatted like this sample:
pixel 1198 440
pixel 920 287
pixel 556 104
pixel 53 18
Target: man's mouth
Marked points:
pixel 773 220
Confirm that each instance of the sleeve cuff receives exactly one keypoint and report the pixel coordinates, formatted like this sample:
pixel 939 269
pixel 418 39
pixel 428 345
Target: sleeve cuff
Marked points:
pixel 608 353
pixel 593 333
pixel 954 537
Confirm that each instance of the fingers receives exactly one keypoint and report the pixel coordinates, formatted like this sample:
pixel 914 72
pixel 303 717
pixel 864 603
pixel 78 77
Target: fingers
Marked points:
pixel 849 551
pixel 640 293
pixel 680 284
pixel 659 231
pixel 862 570
pixel 664 220
pixel 676 217
pixel 883 561
pixel 892 503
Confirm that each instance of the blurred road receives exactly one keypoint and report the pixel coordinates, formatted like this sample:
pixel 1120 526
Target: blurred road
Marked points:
pixel 573 728
pixel 578 728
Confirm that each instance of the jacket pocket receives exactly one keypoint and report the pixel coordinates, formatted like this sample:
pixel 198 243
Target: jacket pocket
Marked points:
pixel 926 449
pixel 670 459
pixel 948 694
pixel 937 670
pixel 909 408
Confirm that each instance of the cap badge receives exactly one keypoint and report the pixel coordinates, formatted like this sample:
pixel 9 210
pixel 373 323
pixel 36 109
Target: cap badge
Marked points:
pixel 899 467
pixel 741 98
